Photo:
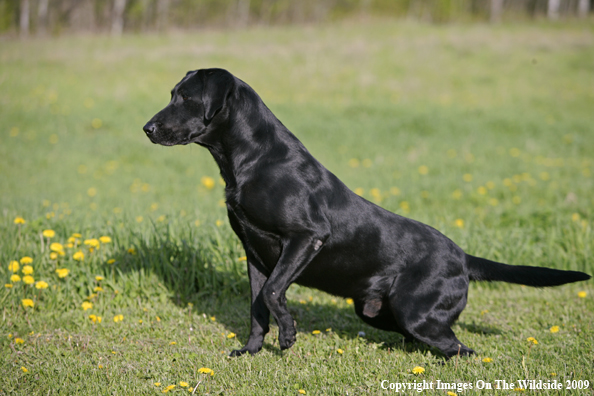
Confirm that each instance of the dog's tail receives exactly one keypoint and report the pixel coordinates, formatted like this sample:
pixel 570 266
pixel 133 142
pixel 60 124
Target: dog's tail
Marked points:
pixel 481 269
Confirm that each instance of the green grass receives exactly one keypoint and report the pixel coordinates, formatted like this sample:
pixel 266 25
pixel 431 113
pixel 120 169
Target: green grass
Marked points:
pixel 485 133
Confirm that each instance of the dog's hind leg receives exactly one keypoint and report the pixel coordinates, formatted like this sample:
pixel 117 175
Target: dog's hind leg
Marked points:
pixel 426 310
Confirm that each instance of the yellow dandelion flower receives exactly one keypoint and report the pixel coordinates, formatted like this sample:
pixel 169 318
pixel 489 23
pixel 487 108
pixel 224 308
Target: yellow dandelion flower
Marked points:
pixel 205 370
pixel 27 302
pixel 87 305
pixel 19 220
pixel 423 169
pixel 56 247
pixel 519 390
pixel 53 255
pixel 19 341
pixel 301 391
pixel 349 301
pixel 100 366
pixel 158 318
pixel 553 374
pixel 13 266
pixel 172 343
pixel 467 177
pixel 28 279
pixel 354 163
pixel 183 384
pixel 487 360
pixel 139 321
pixel 450 393
pixel 93 242
pixel 93 318
pixel 316 332
pixel 99 278
pixel 15 278
pixel 110 261
pixel 532 340
pixel 26 260
pixel 62 272
pixel 457 194
pixel 167 389
pixel 132 250
pixel 208 182
pixel 41 285
pixel 231 335
pixel 359 191
pixel 302 301
pixel 459 223
pixel 98 289
pixel 27 270
pixel 219 223
pixel 418 370
pixel 340 351
pixel 78 256
pixel 482 190
pixel 554 329
pixel 105 239
pixel 582 294
pixel 48 233
pixel 157 384
pixel 367 163
pixel 24 369
pixel 213 318
pixel 242 258
pixel 8 285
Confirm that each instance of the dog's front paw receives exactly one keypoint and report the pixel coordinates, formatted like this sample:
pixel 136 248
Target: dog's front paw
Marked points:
pixel 287 338
pixel 243 351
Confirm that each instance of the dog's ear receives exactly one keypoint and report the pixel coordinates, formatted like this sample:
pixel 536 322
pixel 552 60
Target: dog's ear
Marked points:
pixel 216 86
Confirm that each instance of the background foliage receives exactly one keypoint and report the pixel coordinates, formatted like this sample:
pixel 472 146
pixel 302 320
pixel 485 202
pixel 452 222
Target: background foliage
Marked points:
pixel 60 16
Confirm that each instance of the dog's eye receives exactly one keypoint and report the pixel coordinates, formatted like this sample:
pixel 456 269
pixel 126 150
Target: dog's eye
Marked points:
pixel 185 97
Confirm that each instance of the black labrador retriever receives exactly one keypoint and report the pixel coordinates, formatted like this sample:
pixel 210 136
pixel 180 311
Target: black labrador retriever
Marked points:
pixel 299 223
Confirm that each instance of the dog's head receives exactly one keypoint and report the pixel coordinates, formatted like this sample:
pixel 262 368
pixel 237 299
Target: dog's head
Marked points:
pixel 195 103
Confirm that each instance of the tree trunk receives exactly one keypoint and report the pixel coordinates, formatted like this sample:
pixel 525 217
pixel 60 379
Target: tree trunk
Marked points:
pixel 42 17
pixel 24 18
pixel 583 8
pixel 496 11
pixel 243 13
pixel 117 22
pixel 162 15
pixel 553 9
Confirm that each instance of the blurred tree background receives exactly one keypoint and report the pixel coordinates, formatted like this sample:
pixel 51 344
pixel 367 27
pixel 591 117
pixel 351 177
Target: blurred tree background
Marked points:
pixel 53 17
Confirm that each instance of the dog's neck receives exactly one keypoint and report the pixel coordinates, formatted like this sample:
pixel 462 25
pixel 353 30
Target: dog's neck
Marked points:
pixel 246 135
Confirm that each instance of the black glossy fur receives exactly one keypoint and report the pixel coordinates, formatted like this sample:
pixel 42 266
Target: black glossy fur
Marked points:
pixel 299 223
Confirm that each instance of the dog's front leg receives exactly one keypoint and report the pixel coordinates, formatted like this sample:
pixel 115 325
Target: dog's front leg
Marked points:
pixel 297 253
pixel 260 315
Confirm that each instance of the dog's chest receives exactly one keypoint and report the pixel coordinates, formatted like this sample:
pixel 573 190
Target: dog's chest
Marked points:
pixel 264 244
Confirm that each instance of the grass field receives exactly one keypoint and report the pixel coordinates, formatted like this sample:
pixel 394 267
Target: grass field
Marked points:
pixel 485 133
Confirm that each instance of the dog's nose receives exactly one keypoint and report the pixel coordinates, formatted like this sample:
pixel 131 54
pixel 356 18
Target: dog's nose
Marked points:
pixel 150 128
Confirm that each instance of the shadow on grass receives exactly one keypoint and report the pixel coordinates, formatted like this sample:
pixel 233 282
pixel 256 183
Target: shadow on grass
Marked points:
pixel 479 329
pixel 206 270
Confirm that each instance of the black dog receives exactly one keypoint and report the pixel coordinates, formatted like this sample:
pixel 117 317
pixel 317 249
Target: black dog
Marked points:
pixel 299 223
